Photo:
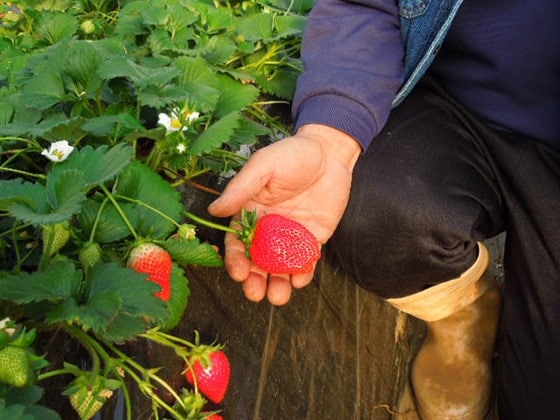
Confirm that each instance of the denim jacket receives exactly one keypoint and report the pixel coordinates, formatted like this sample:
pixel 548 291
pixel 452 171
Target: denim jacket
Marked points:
pixel 424 25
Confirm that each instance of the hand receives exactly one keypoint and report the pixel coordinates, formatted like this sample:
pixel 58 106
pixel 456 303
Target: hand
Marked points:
pixel 306 178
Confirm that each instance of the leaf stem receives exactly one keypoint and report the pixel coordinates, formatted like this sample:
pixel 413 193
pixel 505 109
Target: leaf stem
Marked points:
pixel 119 210
pixel 89 344
pixel 53 373
pixel 18 171
pixel 97 219
pixel 146 205
pixel 146 386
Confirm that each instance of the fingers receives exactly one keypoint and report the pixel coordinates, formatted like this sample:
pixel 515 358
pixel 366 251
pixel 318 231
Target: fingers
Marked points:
pixel 276 288
pixel 299 281
pixel 256 283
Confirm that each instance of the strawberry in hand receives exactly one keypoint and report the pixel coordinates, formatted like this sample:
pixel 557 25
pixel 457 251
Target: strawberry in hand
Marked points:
pixel 152 259
pixel 273 242
pixel 283 246
pixel 208 369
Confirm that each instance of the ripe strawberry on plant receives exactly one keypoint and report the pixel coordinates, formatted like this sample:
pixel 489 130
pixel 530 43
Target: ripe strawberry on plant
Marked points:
pixel 152 259
pixel 280 245
pixel 14 366
pixel 208 369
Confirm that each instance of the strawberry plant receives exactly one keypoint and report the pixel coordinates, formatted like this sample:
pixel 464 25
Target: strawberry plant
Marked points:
pixel 90 213
pixel 107 108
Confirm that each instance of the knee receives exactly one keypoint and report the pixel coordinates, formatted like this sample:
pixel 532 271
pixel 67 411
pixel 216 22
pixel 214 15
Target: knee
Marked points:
pixel 394 248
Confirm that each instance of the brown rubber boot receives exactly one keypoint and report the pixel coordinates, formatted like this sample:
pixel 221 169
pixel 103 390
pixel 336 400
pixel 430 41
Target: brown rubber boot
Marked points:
pixel 452 373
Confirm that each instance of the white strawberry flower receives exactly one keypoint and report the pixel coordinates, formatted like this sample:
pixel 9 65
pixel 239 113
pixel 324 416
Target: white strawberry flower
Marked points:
pixel 58 151
pixel 181 148
pixel 191 116
pixel 177 119
pixel 171 121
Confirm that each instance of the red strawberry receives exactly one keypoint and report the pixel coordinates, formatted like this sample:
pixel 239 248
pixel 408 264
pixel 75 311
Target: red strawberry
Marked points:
pixel 209 370
pixel 283 246
pixel 214 416
pixel 152 259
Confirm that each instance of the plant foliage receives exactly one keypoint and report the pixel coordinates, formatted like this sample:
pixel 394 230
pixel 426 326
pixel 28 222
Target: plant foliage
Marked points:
pixel 106 108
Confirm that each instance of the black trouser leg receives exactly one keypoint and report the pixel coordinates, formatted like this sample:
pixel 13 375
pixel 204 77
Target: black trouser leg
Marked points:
pixel 436 181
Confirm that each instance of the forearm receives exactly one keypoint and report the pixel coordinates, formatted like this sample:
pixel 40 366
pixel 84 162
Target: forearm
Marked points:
pixel 352 53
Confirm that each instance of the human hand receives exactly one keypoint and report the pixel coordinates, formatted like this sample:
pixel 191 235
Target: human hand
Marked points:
pixel 305 178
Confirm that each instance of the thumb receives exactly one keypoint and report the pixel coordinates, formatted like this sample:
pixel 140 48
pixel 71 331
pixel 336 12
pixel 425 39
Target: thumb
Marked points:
pixel 241 189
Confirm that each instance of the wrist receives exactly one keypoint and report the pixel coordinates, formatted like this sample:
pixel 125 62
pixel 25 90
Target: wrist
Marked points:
pixel 343 146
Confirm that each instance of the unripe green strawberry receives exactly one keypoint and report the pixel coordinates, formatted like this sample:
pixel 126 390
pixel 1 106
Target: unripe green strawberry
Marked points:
pixel 283 246
pixel 55 237
pixel 87 404
pixel 14 366
pixel 152 259
pixel 88 27
pixel 89 255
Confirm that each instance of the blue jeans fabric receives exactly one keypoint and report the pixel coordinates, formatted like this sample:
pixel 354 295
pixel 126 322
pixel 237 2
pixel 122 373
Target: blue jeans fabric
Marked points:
pixel 431 185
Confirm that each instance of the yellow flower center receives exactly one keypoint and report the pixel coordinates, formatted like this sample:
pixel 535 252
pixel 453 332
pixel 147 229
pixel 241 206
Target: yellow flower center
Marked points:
pixel 175 123
pixel 58 153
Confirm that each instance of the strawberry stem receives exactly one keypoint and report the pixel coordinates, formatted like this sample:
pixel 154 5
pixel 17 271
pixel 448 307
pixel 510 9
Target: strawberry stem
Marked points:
pixel 210 224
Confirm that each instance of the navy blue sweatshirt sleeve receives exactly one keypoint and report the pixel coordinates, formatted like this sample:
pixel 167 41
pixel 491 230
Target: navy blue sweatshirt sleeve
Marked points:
pixel 353 59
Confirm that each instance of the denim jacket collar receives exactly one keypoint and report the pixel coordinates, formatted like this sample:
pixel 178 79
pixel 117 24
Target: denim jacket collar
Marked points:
pixel 424 26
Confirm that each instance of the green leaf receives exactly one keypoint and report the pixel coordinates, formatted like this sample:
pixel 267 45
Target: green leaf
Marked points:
pixel 218 50
pixel 234 96
pixel 59 201
pixel 139 183
pixel 95 314
pixel 162 96
pixel 282 84
pixel 21 404
pixel 97 165
pixel 123 66
pixel 35 204
pixel 6 112
pixel 56 282
pixel 122 328
pixel 138 305
pixel 248 133
pixel 199 82
pixel 110 226
pixel 218 19
pixel 44 90
pixel 18 191
pixel 134 289
pixel 178 301
pixel 108 124
pixel 191 251
pixel 65 192
pixel 217 134
pixel 290 25
pixel 256 27
pixel 56 26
